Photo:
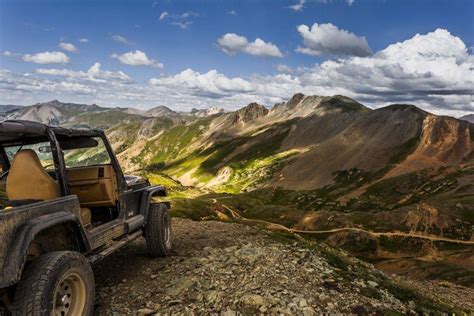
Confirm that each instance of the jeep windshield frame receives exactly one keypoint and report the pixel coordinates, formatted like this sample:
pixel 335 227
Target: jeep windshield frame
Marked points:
pixel 17 133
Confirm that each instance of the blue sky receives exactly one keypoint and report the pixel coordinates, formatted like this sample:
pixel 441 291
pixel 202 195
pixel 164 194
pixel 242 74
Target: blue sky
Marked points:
pixel 185 58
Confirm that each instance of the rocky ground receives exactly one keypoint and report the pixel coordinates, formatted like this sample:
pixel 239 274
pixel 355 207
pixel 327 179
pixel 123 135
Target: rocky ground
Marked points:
pixel 231 268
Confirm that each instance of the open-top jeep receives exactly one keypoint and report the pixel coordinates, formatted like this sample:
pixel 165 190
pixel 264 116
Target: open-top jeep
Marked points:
pixel 67 204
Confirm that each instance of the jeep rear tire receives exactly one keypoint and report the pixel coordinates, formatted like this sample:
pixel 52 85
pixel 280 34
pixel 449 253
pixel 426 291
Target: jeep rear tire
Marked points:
pixel 57 283
pixel 158 230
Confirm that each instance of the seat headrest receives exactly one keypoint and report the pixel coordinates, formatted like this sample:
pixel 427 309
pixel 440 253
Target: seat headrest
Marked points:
pixel 27 178
pixel 27 157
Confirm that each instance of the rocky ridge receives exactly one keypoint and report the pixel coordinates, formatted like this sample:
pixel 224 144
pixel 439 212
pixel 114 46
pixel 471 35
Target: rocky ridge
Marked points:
pixel 469 118
pixel 207 112
pixel 247 114
pixel 229 268
pixel 159 111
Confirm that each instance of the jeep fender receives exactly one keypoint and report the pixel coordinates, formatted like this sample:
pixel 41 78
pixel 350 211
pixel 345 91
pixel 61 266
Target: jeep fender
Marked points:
pixel 147 194
pixel 26 233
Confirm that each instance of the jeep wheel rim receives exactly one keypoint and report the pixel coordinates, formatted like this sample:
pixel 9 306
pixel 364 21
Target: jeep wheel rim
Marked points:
pixel 70 295
pixel 167 232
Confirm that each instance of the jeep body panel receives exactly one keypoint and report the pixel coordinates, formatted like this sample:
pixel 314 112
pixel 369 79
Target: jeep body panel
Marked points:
pixel 146 198
pixel 20 225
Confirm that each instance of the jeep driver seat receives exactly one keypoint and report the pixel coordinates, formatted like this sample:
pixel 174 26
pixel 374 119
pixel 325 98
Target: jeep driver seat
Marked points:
pixel 27 179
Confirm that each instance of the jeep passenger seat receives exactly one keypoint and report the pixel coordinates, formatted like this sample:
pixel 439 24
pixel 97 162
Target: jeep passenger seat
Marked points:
pixel 27 179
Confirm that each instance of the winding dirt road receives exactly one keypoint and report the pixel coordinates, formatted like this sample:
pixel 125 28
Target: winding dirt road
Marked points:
pixel 238 217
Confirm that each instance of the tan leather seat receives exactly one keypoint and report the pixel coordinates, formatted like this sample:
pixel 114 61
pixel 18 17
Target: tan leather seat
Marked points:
pixel 27 179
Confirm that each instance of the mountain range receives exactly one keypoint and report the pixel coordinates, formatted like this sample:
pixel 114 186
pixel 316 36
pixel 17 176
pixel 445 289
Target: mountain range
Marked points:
pixel 59 113
pixel 469 118
pixel 312 163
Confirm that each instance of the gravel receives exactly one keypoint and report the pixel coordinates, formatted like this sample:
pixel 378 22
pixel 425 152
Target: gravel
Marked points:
pixel 229 268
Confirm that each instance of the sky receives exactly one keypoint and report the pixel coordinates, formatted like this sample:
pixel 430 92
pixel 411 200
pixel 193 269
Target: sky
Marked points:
pixel 200 54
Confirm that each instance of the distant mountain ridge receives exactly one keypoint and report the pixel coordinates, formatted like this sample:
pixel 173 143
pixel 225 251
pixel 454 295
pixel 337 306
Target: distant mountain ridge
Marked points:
pixel 6 108
pixel 56 113
pixel 53 112
pixel 469 118
pixel 329 133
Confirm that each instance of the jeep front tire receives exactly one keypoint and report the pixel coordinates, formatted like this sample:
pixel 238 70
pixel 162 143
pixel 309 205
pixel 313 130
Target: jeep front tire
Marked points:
pixel 158 230
pixel 57 283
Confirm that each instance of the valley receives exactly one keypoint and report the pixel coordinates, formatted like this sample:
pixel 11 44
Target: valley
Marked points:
pixel 393 186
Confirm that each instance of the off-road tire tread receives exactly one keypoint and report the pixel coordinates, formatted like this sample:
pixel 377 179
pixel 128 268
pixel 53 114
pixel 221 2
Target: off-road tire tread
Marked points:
pixel 37 278
pixel 154 230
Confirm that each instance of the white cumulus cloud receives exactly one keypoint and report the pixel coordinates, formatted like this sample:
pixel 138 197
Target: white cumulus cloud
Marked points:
pixel 46 58
pixel 211 83
pixel 94 73
pixel 83 40
pixel 137 58
pixel 232 43
pixel 434 70
pixel 68 47
pixel 328 39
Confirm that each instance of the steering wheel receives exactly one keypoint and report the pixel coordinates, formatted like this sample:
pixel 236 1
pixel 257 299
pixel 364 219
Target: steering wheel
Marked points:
pixel 5 173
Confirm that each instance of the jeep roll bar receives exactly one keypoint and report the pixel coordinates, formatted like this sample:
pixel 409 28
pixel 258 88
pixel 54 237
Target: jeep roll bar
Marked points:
pixel 18 132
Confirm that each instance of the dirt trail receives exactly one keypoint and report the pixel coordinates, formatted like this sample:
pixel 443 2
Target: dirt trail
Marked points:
pixel 229 268
pixel 236 216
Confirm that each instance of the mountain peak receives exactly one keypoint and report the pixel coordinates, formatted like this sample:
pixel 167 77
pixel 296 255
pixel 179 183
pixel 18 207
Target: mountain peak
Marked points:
pixel 249 113
pixel 295 100
pixel 404 107
pixel 290 104
pixel 159 110
pixel 469 118
pixel 252 105
pixel 54 102
pixel 254 110
pixel 300 105
pixel 341 103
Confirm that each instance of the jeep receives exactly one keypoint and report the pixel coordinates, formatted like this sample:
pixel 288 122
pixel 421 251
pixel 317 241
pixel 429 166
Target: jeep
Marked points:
pixel 66 205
